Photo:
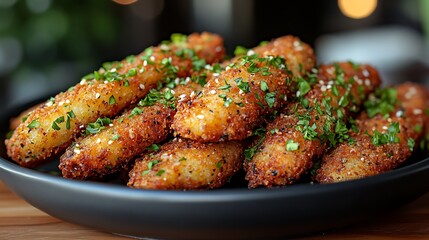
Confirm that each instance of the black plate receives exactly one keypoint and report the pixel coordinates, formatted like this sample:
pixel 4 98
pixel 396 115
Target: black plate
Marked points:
pixel 218 214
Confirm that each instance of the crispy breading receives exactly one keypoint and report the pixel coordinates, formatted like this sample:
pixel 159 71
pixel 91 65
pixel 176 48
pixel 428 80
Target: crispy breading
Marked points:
pixel 234 102
pixel 15 121
pixel 53 126
pixel 294 141
pixel 363 158
pixel 111 149
pixel 186 164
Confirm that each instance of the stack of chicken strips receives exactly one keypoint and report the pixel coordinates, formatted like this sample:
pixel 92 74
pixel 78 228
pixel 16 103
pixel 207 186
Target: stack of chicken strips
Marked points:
pixel 180 116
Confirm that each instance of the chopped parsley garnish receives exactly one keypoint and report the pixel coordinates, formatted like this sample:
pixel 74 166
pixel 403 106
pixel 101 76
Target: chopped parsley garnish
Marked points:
pixel 56 122
pixel 97 126
pixel 250 152
pixel 225 87
pixel 240 50
pixel 226 100
pixel 270 98
pixel 112 100
pixel 136 111
pixel 150 165
pixel 182 159
pixel 303 87
pixel 264 86
pixel 389 137
pixel 34 124
pixel 411 143
pixel 153 147
pixel 383 103
pixel 115 137
pixel 291 145
pixel 160 172
pixel 244 86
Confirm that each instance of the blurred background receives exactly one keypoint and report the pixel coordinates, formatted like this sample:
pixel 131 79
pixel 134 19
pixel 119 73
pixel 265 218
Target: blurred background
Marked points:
pixel 47 46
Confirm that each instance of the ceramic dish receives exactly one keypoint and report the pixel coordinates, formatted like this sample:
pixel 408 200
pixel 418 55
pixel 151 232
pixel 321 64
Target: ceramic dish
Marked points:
pixel 230 213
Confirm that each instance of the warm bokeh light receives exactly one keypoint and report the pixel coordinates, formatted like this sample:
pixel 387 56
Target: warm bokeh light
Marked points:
pixel 125 2
pixel 357 8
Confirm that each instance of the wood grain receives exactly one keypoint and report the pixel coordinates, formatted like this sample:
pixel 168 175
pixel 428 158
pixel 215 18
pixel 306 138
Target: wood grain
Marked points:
pixel 19 220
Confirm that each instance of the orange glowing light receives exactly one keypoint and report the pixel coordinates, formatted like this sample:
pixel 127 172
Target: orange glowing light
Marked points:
pixel 124 2
pixel 357 8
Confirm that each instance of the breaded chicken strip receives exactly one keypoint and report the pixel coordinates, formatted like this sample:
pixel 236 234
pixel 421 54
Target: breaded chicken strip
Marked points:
pixel 185 164
pixel 292 142
pixel 234 102
pixel 384 141
pixel 113 144
pixel 52 127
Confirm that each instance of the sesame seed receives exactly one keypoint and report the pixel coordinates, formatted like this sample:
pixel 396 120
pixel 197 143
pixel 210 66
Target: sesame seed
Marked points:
pixel 385 128
pixel 365 73
pixel 227 68
pixel 49 103
pixel 82 82
pixel 218 49
pixel 61 103
pixel 152 58
pixel 399 113
pixel 97 95
pixel 212 91
pixel 367 82
pixel 200 116
pixel 187 79
pixel 98 140
pixel 110 124
pixel 215 74
pixel 417 111
pixel 113 70
pixel 323 88
pixel 110 142
pixel 141 86
pixel 67 101
pixel 145 63
pixel 250 52
pixel 76 150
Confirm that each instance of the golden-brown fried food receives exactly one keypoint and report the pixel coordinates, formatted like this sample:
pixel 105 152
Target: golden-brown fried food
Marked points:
pixel 234 102
pixel 14 122
pixel 384 141
pixel 111 145
pixel 186 164
pixel 105 93
pixel 292 142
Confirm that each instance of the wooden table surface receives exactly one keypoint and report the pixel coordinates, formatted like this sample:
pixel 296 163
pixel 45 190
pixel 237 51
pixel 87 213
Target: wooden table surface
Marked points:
pixel 19 220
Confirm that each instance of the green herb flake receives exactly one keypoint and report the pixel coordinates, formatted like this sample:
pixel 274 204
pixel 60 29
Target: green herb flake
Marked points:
pixel 150 165
pixel 264 86
pixel 240 50
pixel 411 143
pixel 131 59
pixel 34 124
pixel 219 164
pixel 303 87
pixel 112 100
pixel 270 99
pixel 226 87
pixel 97 126
pixel 136 111
pixel 160 172
pixel 182 159
pixel 244 86
pixel 153 147
pixel 418 128
pixel 115 137
pixel 291 145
